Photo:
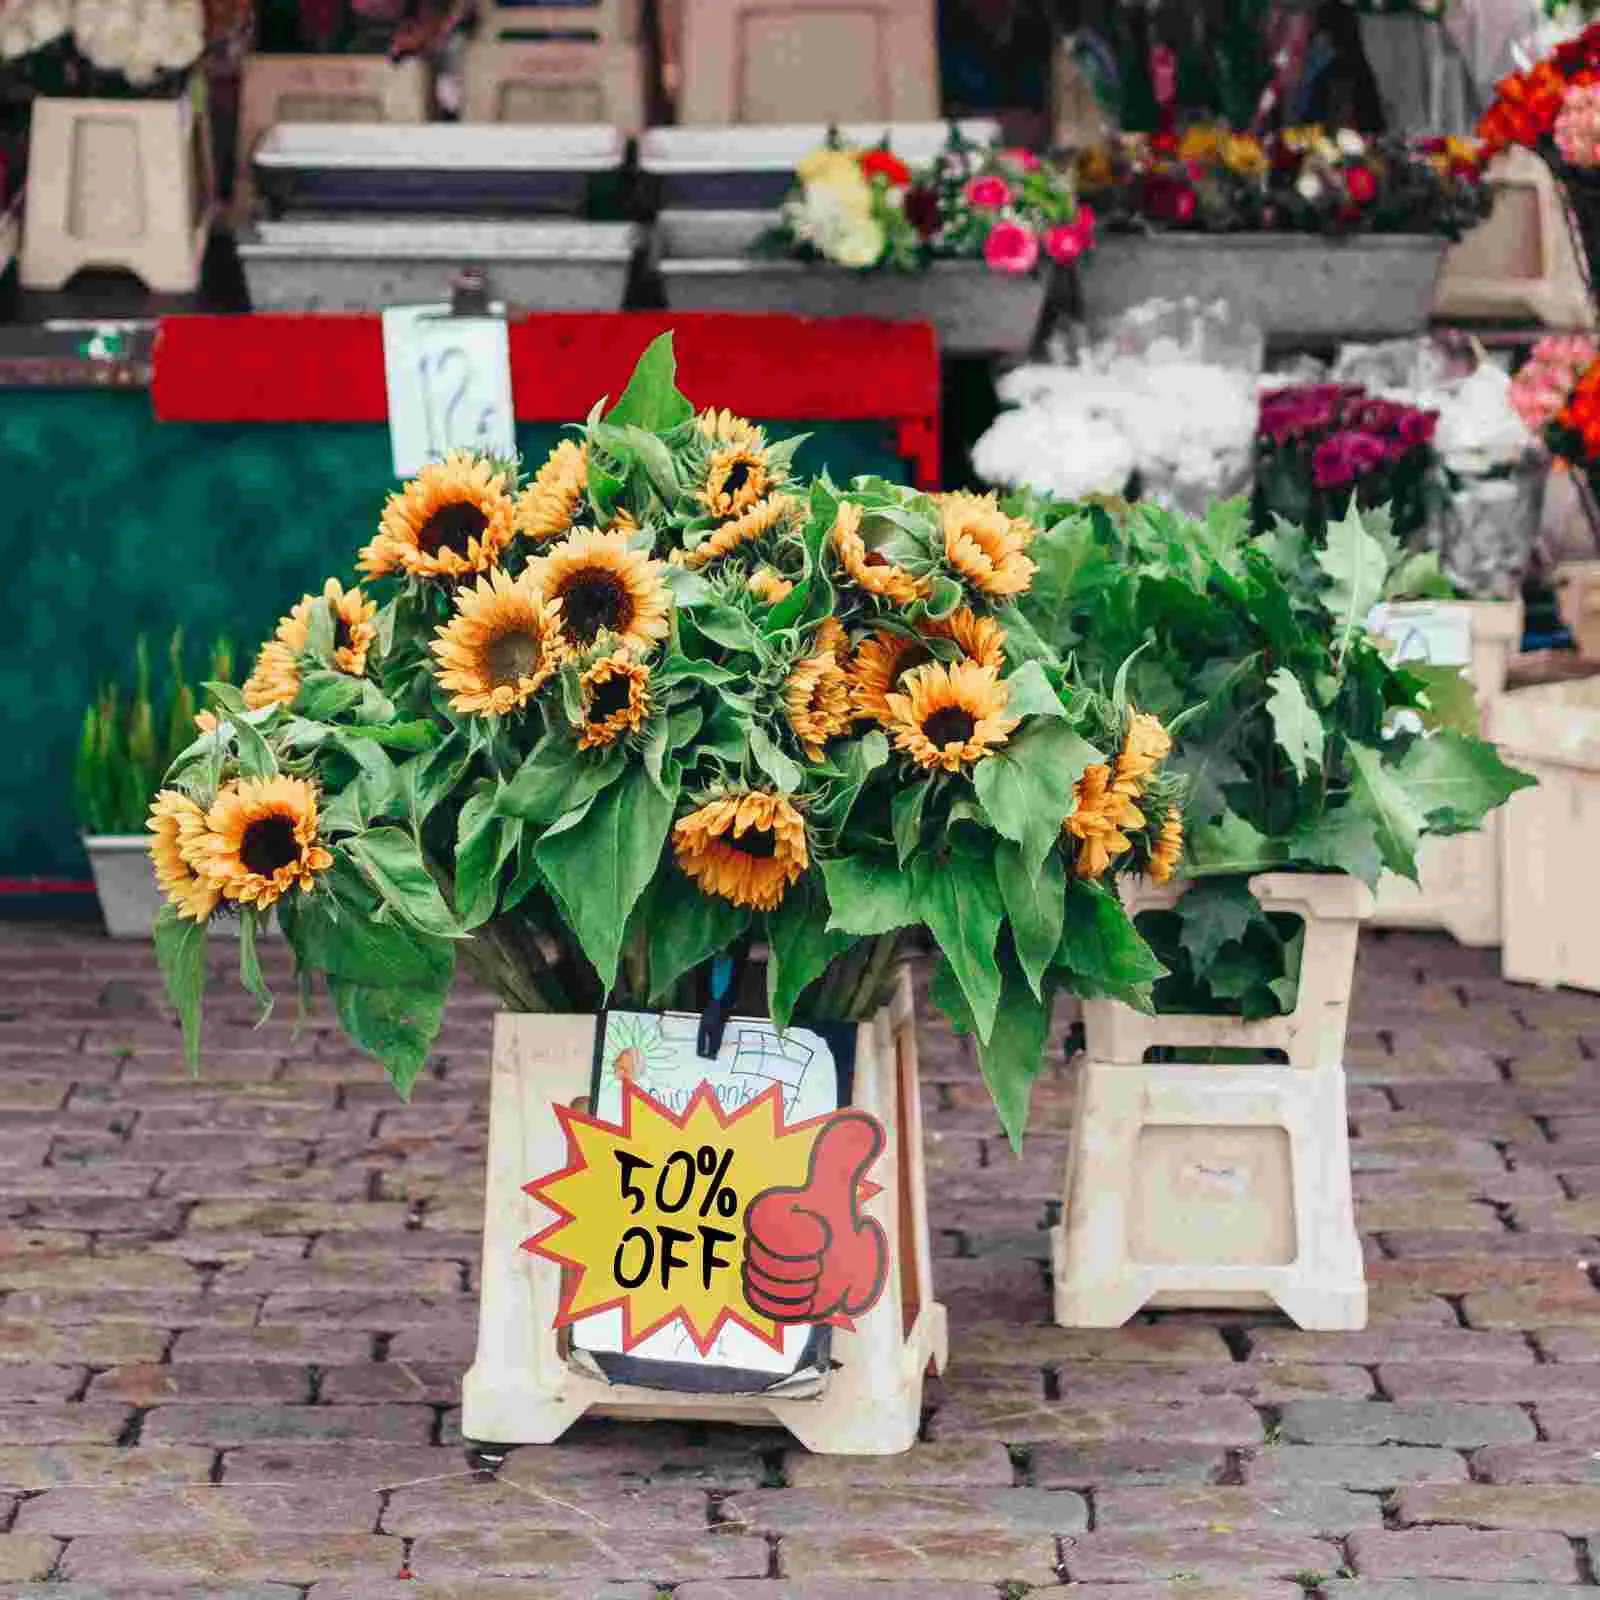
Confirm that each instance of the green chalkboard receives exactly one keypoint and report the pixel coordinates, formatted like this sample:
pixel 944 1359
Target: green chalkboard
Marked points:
pixel 116 525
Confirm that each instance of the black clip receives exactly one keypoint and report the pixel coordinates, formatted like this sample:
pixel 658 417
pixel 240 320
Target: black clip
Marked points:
pixel 714 1019
pixel 469 294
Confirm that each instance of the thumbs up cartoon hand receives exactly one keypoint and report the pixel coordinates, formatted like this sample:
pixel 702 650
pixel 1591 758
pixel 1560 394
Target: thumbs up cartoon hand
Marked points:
pixel 809 1254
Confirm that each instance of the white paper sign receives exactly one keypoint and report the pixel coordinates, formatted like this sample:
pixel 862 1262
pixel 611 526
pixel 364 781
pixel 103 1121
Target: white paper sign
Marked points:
pixel 449 385
pixel 1437 635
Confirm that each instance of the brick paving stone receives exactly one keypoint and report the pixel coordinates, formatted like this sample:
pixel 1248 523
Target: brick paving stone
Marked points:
pixel 1327 1512
pixel 97 1591
pixel 290 1345
pixel 1427 1212
pixel 1537 1463
pixel 1441 1589
pixel 289 1216
pixel 1440 1246
pixel 26 1558
pixel 1575 1307
pixel 912 1512
pixel 363 1462
pixel 1568 1345
pixel 1195 1557
pixel 245 1383
pixel 493 1589
pixel 1375 1345
pixel 973 1463
pixel 1419 1381
pixel 516 1552
pixel 1180 1589
pixel 460 1246
pixel 1020 1420
pixel 110 1270
pixel 415 1382
pixel 1355 1466
pixel 482 1503
pixel 258 1424
pixel 32 1343
pixel 387 1313
pixel 1556 1508
pixel 233 1558
pixel 1177 1343
pixel 18 1243
pixel 98 1465
pixel 839 1589
pixel 158 1309
pixel 1263 1383
pixel 990 1557
pixel 1059 1466
pixel 83 1423
pixel 211 1508
pixel 1570 1421
pixel 37 1381
pixel 661 1454
pixel 1357 1422
pixel 1400 1304
pixel 1559 1216
pixel 1463 1553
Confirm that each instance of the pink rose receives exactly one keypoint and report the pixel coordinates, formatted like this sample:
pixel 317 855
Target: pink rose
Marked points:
pixel 989 191
pixel 1084 223
pixel 1010 247
pixel 1064 243
pixel 1018 157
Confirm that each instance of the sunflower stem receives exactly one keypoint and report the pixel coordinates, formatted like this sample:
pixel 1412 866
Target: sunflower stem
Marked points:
pixel 865 999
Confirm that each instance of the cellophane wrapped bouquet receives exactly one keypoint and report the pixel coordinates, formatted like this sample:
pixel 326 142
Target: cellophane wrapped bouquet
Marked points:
pixel 585 732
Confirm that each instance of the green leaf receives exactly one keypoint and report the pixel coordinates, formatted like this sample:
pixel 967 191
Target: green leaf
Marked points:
pixel 1345 839
pixel 600 866
pixel 959 900
pixel 430 778
pixel 256 759
pixel 377 780
pixel 651 401
pixel 181 956
pixel 417 735
pixel 347 940
pixel 1355 566
pixel 1101 950
pixel 485 840
pixel 527 873
pixel 1026 787
pixel 1213 913
pixel 731 629
pixel 376 708
pixel 1298 728
pixel 1397 819
pixel 1035 902
pixel 1010 1058
pixel 1072 565
pixel 558 778
pixel 944 990
pixel 1456 781
pixel 1419 577
pixel 1028 694
pixel 392 864
pixel 688 589
pixel 905 818
pixel 1451 700
pixel 324 695
pixel 799 947
pixel 1231 845
pixel 867 895
pixel 786 774
pixel 944 596
pixel 686 927
pixel 396 1025
pixel 250 964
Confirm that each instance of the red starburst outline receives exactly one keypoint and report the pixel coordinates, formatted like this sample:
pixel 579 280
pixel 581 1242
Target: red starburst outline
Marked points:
pixel 538 1243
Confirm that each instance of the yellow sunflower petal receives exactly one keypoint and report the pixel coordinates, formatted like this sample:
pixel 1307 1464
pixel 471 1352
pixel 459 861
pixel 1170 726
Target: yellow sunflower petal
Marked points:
pixel 176 823
pixel 549 506
pixel 983 545
pixel 747 848
pixel 260 840
pixel 950 716
pixel 454 518
pixel 501 647
pixel 600 584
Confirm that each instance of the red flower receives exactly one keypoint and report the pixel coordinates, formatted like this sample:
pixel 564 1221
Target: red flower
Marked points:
pixel 1362 185
pixel 989 190
pixel 1168 199
pixel 922 210
pixel 1164 143
pixel 887 165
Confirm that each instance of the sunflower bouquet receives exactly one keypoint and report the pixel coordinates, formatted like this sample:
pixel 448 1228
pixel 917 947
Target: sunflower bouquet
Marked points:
pixel 660 701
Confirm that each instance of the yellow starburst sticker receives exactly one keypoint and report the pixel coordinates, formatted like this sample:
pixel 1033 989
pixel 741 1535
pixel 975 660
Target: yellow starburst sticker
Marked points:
pixel 711 1217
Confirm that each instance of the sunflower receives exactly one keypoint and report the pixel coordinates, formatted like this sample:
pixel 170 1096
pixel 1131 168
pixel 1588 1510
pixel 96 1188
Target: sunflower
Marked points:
pixel 866 568
pixel 548 507
pixel 816 700
pixel 950 716
pixel 1144 747
pixel 275 678
pixel 261 840
pixel 601 585
pixel 980 639
pixel 756 523
pixel 1168 851
pixel 727 428
pixel 176 822
pixel 1098 820
pixel 879 664
pixel 453 518
pixel 353 629
pixel 500 648
pixel 616 699
pixel 830 636
pixel 746 847
pixel 737 476
pixel 769 586
pixel 984 545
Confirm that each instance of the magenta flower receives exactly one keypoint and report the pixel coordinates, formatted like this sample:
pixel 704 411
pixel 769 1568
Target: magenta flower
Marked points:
pixel 1344 457
pixel 1065 242
pixel 1011 247
pixel 1018 157
pixel 990 190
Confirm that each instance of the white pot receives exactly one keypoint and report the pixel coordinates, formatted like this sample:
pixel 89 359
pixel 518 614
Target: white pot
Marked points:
pixel 125 884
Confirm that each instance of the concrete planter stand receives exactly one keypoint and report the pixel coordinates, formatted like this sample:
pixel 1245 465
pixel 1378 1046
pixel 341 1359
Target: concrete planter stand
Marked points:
pixel 523 1388
pixel 1195 1185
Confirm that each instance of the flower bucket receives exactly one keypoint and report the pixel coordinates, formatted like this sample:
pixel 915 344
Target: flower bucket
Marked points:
pixel 1458 887
pixel 554 1244
pixel 704 265
pixel 1191 1184
pixel 1290 285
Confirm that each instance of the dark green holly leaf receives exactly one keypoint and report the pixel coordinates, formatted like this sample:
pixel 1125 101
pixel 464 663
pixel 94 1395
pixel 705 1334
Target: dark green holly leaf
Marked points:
pixel 1397 818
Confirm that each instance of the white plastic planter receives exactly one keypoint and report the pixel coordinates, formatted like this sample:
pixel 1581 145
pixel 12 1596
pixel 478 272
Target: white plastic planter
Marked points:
pixel 1458 887
pixel 125 885
pixel 1195 1185
pixel 526 1386
pixel 1550 869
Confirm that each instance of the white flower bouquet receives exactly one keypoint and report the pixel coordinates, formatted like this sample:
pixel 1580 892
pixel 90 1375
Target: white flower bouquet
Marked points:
pixel 102 47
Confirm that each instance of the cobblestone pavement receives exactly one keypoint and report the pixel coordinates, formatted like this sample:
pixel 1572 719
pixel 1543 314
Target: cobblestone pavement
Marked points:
pixel 234 1315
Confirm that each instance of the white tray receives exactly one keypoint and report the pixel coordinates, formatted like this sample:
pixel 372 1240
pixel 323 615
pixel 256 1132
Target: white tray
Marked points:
pixel 440 146
pixel 777 147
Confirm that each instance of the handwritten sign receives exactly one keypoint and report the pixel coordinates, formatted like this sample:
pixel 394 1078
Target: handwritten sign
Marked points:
pixel 708 1212
pixel 449 385
pixel 1436 635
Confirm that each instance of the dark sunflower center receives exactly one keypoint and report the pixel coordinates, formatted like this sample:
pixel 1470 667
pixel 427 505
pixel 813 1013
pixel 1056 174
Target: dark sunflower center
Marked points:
pixel 594 600
pixel 269 843
pixel 511 657
pixel 608 698
pixel 949 725
pixel 915 657
pixel 757 842
pixel 738 477
pixel 450 528
pixel 342 637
